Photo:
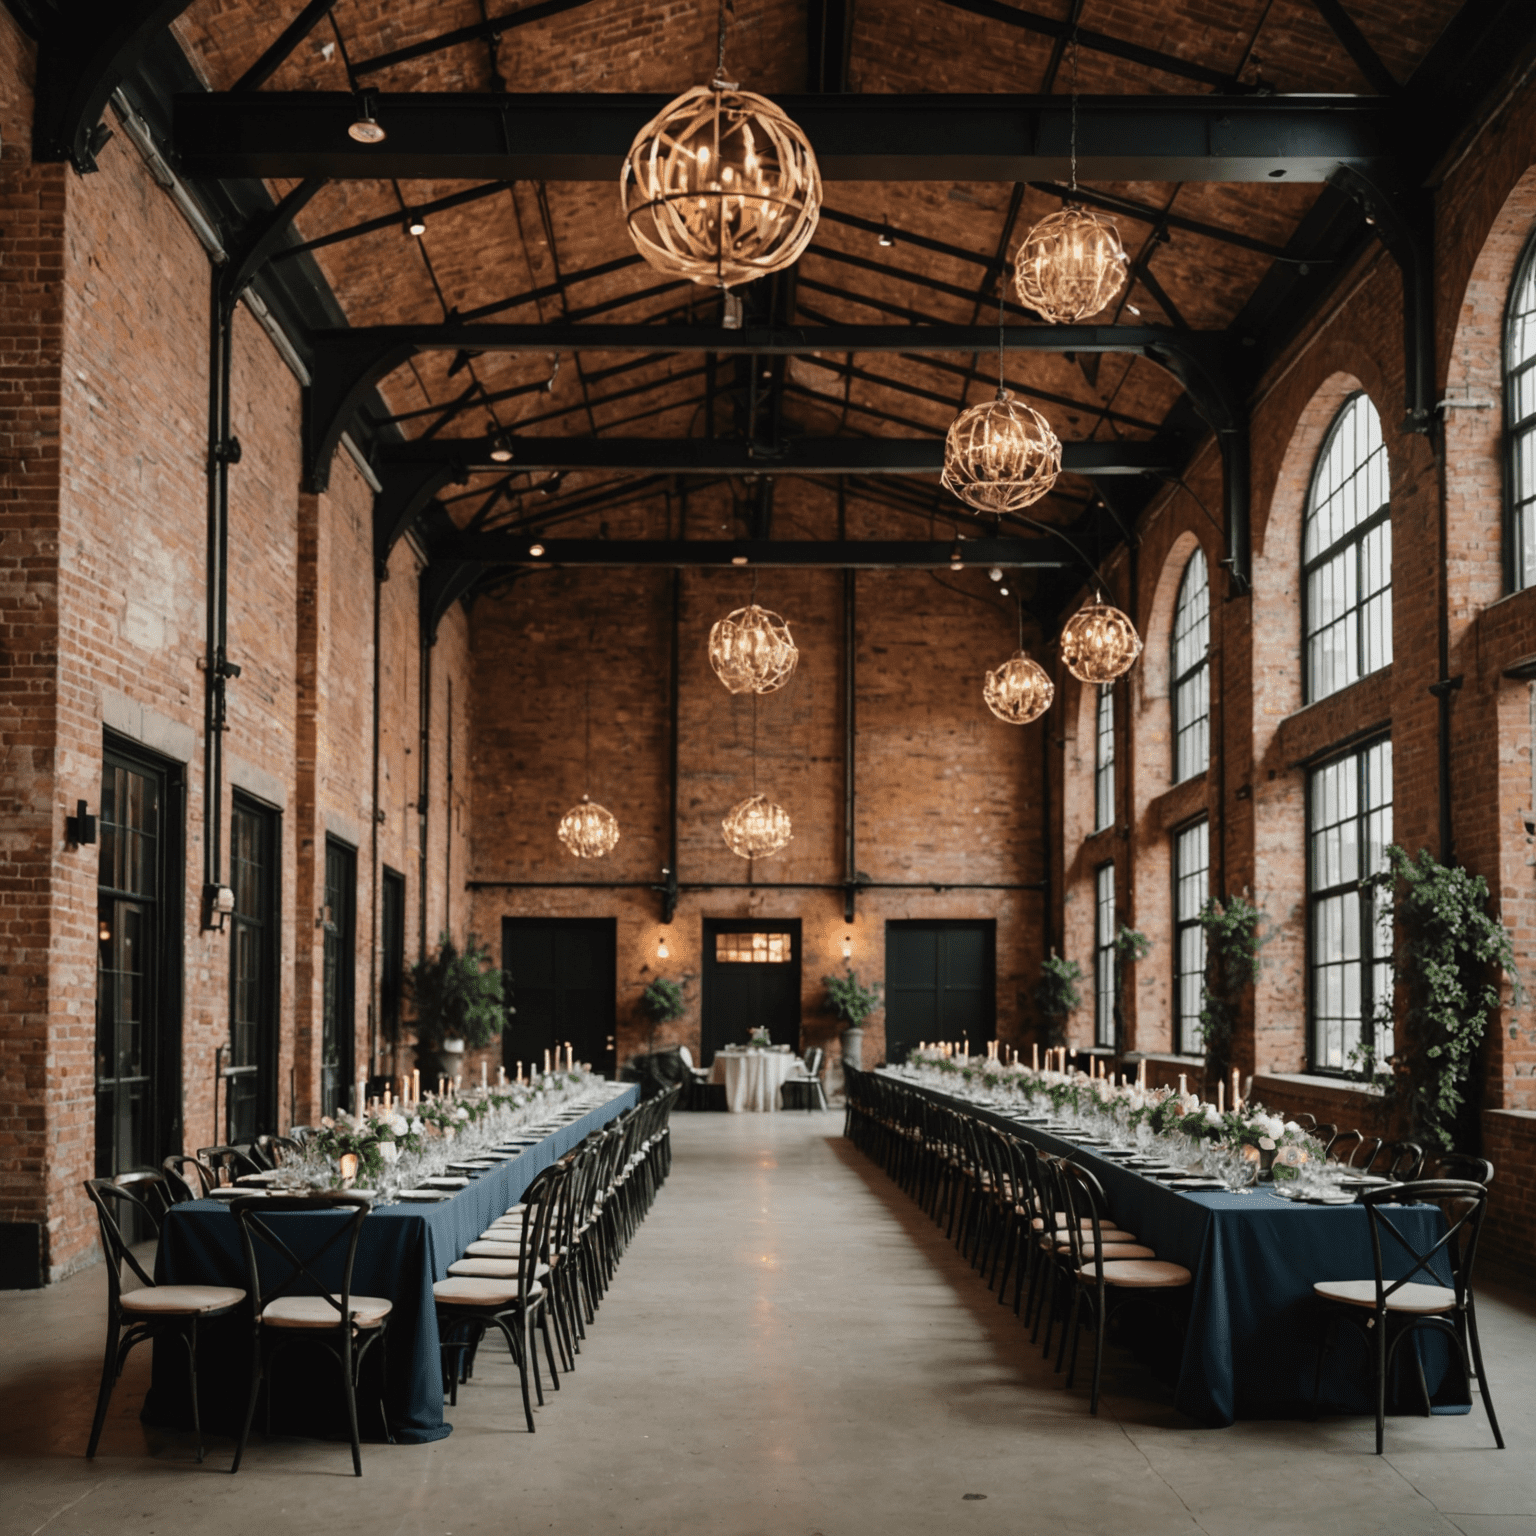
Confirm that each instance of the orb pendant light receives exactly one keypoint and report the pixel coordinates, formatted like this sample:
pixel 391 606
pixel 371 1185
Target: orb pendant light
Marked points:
pixel 1019 691
pixel 751 651
pixel 756 828
pixel 1070 265
pixel 589 830
pixel 1099 643
pixel 721 187
pixel 1001 455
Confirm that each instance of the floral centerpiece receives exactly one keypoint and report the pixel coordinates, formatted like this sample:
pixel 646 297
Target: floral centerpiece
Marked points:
pixel 760 1038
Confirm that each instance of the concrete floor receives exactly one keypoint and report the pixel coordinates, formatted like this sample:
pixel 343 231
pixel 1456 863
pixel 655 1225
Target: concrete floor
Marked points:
pixel 792 1350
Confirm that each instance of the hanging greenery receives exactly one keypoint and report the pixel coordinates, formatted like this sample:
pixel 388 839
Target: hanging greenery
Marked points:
pixel 458 995
pixel 1131 945
pixel 850 999
pixel 1234 937
pixel 1057 996
pixel 1450 953
pixel 662 1001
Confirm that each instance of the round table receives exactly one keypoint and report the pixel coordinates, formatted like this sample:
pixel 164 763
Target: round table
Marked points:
pixel 752 1079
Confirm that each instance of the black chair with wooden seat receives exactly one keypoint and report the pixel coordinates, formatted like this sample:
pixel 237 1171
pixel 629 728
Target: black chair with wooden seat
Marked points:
pixel 230 1163
pixel 187 1178
pixel 275 1151
pixel 1363 1159
pixel 513 1301
pixel 1108 1275
pixel 1404 1161
pixel 152 1186
pixel 1390 1311
pixel 300 1309
pixel 805 1090
pixel 1463 1165
pixel 147 1310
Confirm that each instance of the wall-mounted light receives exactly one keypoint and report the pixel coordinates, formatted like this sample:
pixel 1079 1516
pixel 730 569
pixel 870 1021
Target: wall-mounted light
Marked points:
pixel 887 235
pixel 104 931
pixel 218 903
pixel 957 557
pixel 662 952
pixel 80 828
pixel 847 946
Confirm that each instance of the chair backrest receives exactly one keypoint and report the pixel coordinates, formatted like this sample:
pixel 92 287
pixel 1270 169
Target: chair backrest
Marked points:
pixel 1342 1145
pixel 275 1151
pixel 151 1186
pixel 237 1161
pixel 1463 1203
pixel 188 1177
pixel 1463 1165
pixel 1407 1161
pixel 1324 1132
pixel 540 1208
pixel 113 1202
pixel 1362 1157
pixel 685 1056
pixel 298 1278
pixel 1304 1120
pixel 1083 1196
pixel 300 1133
pixel 813 1061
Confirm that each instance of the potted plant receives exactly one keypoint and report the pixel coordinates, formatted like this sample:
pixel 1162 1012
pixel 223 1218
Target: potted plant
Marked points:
pixel 459 1003
pixel 852 1002
pixel 661 1003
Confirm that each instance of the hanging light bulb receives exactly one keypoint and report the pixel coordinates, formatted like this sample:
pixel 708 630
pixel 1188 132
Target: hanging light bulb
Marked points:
pixel 589 830
pixel 721 187
pixel 1001 455
pixel 1019 691
pixel 1099 643
pixel 756 828
pixel 1070 265
pixel 752 651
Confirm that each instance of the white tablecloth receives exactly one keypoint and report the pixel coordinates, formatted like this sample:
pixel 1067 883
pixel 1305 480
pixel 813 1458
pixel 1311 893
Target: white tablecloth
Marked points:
pixel 752 1078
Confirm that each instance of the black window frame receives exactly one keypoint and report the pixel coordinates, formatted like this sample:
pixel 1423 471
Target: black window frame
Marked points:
pixel 1368 914
pixel 392 895
pixel 1180 680
pixel 267 921
pixel 1355 536
pixel 1516 429
pixel 1104 758
pixel 1105 959
pixel 167 951
pixel 340 922
pixel 1183 1043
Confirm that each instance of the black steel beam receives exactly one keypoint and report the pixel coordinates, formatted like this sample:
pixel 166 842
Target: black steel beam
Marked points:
pixel 856 137
pixel 347 363
pixel 840 554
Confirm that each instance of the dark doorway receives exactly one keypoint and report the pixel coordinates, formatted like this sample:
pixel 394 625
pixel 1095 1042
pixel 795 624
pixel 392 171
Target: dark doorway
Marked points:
pixel 940 984
pixel 138 982
pixel 560 979
pixel 751 978
pixel 250 1107
pixel 338 1025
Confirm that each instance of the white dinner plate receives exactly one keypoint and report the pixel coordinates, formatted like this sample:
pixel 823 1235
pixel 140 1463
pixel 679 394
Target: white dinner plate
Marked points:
pixel 446 1181
pixel 422 1195
pixel 1196 1184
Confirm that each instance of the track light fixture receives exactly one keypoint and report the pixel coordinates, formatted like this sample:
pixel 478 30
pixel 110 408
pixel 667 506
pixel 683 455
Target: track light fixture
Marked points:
pixel 501 448
pixel 365 129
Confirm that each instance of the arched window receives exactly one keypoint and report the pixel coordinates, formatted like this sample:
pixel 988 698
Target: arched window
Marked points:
pixel 1191 671
pixel 1520 422
pixel 1347 554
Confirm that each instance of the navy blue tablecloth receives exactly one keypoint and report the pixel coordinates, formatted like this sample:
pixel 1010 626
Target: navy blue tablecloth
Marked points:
pixel 1255 1325
pixel 403 1249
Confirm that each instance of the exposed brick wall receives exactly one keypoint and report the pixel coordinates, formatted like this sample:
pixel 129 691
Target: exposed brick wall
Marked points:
pixel 1509 1142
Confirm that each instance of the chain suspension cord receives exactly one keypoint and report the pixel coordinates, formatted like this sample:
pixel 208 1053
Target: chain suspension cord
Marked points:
pixel 1002 305
pixel 587 768
pixel 720 40
pixel 1074 102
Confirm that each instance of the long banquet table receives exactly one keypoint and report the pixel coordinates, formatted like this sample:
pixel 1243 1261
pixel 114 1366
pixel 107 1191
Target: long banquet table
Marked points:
pixel 1254 1329
pixel 402 1251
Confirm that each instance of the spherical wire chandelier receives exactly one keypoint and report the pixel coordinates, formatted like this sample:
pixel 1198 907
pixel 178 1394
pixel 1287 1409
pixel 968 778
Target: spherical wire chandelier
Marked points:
pixel 589 830
pixel 721 187
pixel 1099 643
pixel 756 828
pixel 752 651
pixel 1071 264
pixel 1001 455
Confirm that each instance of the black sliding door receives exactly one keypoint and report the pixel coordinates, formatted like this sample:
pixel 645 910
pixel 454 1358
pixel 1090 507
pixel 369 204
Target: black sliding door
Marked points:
pixel 940 984
pixel 251 1065
pixel 138 982
pixel 751 980
pixel 560 981
pixel 338 1011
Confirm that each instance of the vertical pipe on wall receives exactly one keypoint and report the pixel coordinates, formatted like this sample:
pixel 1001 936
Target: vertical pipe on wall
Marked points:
pixel 380 574
pixel 423 781
pixel 850 724
pixel 448 813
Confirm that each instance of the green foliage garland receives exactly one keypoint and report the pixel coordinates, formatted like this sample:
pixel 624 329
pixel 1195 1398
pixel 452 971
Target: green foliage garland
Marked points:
pixel 1131 945
pixel 1449 954
pixel 1057 995
pixel 1234 938
pixel 849 999
pixel 458 994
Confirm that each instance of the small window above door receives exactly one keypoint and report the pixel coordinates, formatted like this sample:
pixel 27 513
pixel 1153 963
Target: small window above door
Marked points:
pixel 754 948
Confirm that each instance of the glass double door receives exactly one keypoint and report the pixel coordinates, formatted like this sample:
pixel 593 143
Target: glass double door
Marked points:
pixel 138 1033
